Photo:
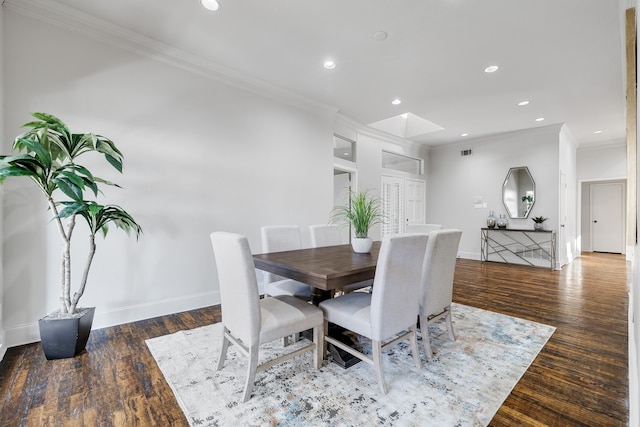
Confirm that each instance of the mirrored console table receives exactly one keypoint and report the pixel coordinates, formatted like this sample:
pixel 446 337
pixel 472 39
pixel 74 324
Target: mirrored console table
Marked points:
pixel 513 246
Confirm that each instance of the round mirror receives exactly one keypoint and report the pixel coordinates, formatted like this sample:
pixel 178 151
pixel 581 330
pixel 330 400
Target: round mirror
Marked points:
pixel 518 192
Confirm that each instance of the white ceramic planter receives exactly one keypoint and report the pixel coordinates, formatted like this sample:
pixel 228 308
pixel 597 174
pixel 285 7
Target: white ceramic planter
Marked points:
pixel 362 245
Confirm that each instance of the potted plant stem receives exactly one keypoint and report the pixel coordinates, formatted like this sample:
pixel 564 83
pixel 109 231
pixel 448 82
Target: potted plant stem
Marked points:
pixel 361 213
pixel 47 154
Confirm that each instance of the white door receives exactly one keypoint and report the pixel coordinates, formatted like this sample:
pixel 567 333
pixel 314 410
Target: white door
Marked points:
pixel 392 204
pixel 403 202
pixel 414 205
pixel 607 217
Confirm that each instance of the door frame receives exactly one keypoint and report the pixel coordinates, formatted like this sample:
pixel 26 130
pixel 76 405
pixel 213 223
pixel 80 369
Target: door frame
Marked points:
pixel 584 243
pixel 353 180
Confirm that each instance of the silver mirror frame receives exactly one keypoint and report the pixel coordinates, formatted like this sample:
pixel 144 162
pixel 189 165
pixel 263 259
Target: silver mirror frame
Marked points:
pixel 517 186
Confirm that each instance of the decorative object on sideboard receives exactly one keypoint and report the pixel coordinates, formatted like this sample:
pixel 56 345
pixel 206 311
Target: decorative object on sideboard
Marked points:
pixel 491 220
pixel 48 154
pixel 538 222
pixel 502 222
pixel 361 212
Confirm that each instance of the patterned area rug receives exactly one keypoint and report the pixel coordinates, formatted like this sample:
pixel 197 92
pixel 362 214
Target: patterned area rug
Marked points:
pixel 464 384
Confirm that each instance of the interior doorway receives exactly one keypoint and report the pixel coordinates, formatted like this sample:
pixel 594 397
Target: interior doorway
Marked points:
pixel 403 203
pixel 603 216
pixel 343 180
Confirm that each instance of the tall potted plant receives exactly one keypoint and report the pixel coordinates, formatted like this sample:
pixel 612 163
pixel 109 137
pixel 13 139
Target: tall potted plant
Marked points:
pixel 47 154
pixel 361 213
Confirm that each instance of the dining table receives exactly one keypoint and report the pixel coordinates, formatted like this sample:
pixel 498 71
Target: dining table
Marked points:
pixel 326 269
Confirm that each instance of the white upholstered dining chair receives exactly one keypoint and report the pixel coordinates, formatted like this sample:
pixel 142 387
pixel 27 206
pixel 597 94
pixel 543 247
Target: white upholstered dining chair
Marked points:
pixel 325 235
pixel 331 235
pixel 437 282
pixel 388 314
pixel 249 320
pixel 422 228
pixel 278 238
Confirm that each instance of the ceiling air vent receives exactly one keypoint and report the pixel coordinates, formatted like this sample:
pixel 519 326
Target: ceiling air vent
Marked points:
pixel 465 153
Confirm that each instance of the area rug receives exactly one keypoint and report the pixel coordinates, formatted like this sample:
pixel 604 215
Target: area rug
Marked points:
pixel 463 385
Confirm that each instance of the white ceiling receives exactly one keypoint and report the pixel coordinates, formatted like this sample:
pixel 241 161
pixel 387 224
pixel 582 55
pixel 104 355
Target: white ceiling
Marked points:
pixel 564 56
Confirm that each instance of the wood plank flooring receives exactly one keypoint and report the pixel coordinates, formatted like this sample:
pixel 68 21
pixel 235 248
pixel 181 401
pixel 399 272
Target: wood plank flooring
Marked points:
pixel 578 379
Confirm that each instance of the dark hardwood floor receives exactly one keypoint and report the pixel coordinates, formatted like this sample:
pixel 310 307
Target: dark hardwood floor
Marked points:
pixel 579 378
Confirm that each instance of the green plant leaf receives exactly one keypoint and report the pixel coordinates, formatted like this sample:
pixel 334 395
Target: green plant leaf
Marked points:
pixel 69 189
pixel 361 213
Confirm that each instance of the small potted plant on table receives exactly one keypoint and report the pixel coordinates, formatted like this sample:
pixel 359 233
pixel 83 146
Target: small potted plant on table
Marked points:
pixel 362 212
pixel 538 222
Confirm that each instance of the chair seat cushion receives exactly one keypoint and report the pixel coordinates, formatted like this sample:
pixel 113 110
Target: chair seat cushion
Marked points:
pixel 285 315
pixel 289 287
pixel 351 311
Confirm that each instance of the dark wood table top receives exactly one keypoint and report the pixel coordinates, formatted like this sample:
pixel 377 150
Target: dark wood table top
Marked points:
pixel 326 268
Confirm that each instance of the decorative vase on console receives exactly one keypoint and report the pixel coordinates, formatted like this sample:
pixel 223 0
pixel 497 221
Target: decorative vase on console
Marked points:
pixel 502 222
pixel 491 220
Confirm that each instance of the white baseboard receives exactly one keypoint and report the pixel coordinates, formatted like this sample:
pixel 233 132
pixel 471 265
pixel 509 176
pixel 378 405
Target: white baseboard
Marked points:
pixel 634 370
pixel 29 333
pixel 469 255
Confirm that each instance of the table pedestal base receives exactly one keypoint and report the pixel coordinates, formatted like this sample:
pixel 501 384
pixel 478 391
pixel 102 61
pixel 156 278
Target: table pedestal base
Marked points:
pixel 339 356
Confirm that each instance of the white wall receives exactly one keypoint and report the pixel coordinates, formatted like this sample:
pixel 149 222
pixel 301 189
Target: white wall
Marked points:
pixel 568 228
pixel 456 182
pixel 3 347
pixel 603 162
pixel 596 164
pixel 634 290
pixel 199 156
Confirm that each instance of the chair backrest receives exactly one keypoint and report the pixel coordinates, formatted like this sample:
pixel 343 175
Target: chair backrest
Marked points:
pixel 239 293
pixel 438 270
pixel 422 228
pixel 394 305
pixel 325 235
pixel 279 238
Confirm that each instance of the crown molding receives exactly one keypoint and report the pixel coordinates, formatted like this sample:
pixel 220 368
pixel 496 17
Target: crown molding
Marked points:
pixel 620 143
pixel 52 12
pixel 553 129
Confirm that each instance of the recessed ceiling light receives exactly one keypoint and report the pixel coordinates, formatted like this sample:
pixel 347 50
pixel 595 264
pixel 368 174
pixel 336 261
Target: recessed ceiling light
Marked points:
pixel 210 4
pixel 329 65
pixel 523 103
pixel 539 119
pixel 380 35
pixel 396 101
pixel 598 131
pixel 491 69
pixel 464 134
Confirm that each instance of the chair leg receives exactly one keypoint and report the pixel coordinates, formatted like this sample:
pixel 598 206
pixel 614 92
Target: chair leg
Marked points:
pixel 324 342
pixel 424 332
pixel 223 349
pixel 377 364
pixel 452 336
pixel 318 339
pixel 251 375
pixel 414 347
